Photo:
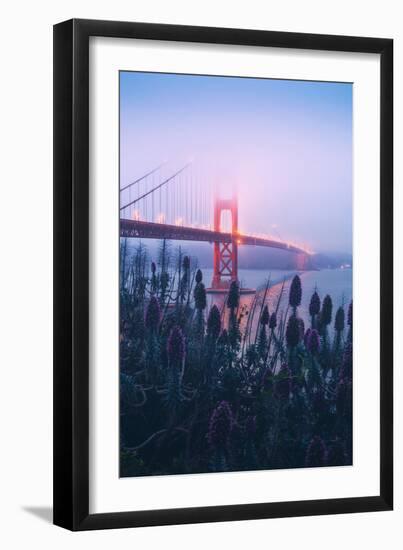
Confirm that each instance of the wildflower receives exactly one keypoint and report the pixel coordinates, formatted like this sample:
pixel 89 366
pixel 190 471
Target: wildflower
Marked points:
pixel 153 314
pixel 233 295
pixel 186 263
pixel 326 313
pixel 295 292
pixel 200 296
pixel 292 333
pixel 313 342
pixel 264 319
pixel 214 323
pixel 220 425
pixel 153 268
pixel 234 334
pixel 314 305
pixel 339 320
pixel 273 321
pixel 176 346
pixel 316 453
pixel 164 279
pixel 199 276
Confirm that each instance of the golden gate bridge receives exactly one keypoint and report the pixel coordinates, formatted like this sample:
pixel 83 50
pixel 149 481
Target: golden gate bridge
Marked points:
pixel 180 206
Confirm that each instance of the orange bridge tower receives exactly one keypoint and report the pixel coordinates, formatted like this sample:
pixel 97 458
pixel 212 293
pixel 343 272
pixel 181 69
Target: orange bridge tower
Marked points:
pixel 225 253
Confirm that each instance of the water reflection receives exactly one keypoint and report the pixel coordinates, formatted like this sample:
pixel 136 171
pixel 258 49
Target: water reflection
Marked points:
pixel 335 282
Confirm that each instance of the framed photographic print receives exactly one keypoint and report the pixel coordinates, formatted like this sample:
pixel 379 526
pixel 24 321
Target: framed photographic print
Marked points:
pixel 222 198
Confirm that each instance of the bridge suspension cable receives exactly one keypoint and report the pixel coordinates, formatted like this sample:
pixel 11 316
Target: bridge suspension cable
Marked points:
pixel 147 193
pixel 183 198
pixel 142 177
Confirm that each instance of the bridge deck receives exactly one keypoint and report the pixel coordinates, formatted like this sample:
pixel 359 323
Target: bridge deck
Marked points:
pixel 148 230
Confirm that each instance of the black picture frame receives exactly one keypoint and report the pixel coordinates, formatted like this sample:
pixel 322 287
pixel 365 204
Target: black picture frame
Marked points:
pixel 71 274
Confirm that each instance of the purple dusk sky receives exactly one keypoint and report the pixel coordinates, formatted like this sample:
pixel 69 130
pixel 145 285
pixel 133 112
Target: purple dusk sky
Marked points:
pixel 285 145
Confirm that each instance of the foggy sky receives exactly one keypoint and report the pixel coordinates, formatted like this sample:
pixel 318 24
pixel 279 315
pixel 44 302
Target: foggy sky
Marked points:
pixel 286 145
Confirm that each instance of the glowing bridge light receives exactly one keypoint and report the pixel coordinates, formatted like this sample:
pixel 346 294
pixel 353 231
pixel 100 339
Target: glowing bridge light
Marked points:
pixel 136 215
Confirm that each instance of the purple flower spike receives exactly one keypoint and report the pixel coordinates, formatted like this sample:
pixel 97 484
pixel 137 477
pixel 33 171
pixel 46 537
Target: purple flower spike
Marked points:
pixel 220 426
pixel 293 333
pixel 176 346
pixel 339 320
pixel 153 314
pixel 186 262
pixel 214 323
pixel 326 313
pixel 273 321
pixel 199 276
pixel 314 305
pixel 233 295
pixel 264 319
pixel 199 294
pixel 295 292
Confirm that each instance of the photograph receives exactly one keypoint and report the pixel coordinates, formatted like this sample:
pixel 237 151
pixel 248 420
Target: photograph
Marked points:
pixel 235 275
pixel 201 275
